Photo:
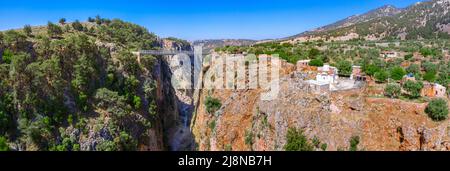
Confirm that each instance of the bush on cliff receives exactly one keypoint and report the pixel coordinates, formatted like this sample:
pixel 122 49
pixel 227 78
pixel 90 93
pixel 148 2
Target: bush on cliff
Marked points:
pixel 437 109
pixel 296 141
pixel 392 90
pixel 212 104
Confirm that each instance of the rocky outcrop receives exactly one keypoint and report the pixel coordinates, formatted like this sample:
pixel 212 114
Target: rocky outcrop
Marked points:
pixel 227 128
pixel 245 122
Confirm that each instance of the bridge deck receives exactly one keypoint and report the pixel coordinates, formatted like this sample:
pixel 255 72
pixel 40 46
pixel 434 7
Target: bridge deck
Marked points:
pixel 166 52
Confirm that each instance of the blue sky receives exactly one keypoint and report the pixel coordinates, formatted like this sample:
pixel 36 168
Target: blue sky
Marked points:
pixel 197 19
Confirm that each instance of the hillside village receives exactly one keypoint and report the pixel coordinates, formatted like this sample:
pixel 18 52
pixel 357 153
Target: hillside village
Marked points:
pixel 328 76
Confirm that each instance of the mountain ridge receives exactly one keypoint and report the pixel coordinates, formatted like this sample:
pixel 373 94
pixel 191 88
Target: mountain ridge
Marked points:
pixel 422 20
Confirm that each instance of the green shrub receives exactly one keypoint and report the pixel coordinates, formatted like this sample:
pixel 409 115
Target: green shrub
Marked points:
pixel 392 90
pixel 27 30
pixel 408 56
pixel 316 62
pixel 113 103
pixel 313 52
pixel 413 88
pixel 70 119
pixel 62 21
pixel 228 147
pixel 77 26
pixel 443 79
pixel 413 68
pixel 324 146
pixel 3 144
pixel 344 67
pixel 54 30
pixel 354 141
pixel 296 141
pixel 76 147
pixel 125 142
pixel 91 20
pixel 212 125
pixel 430 67
pixel 66 145
pixel 372 69
pixel 316 142
pixel 397 73
pixel 437 109
pixel 7 56
pixel 429 76
pixel 428 52
pixel 249 137
pixel 212 104
pixel 106 146
pixel 381 76
pixel 137 102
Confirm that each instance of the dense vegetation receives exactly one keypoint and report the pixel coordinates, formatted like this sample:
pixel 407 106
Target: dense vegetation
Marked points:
pixel 212 104
pixel 68 81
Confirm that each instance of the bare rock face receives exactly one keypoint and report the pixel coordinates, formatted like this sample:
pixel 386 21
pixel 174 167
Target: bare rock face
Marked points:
pixel 423 138
pixel 175 44
pixel 296 106
pixel 228 127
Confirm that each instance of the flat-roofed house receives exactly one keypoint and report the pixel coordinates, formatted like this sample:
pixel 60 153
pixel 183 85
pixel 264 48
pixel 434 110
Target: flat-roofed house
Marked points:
pixel 433 90
pixel 408 77
pixel 357 73
pixel 302 64
pixel 319 87
pixel 389 54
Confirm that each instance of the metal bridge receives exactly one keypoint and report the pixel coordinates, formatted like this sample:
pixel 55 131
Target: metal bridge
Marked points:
pixel 168 52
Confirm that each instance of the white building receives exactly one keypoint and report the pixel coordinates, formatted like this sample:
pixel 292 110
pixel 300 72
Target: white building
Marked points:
pixel 389 54
pixel 301 64
pixel 327 74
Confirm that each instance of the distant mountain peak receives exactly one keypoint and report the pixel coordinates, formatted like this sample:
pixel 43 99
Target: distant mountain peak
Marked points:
pixel 427 19
pixel 388 9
